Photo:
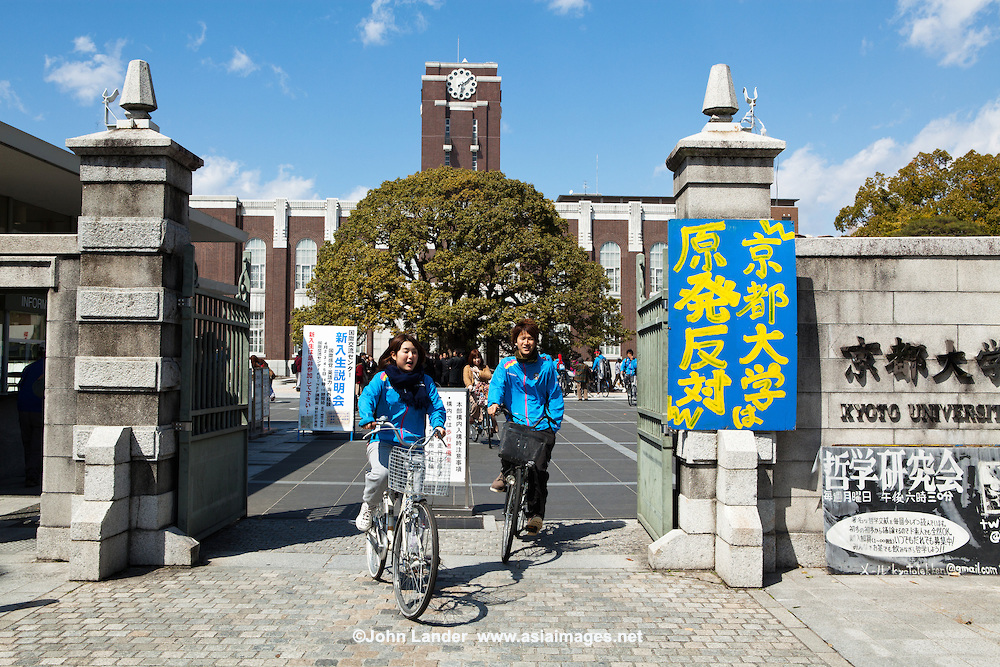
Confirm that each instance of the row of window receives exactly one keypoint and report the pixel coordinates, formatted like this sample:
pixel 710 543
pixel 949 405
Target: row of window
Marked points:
pixel 305 262
pixel 610 257
pixel 305 265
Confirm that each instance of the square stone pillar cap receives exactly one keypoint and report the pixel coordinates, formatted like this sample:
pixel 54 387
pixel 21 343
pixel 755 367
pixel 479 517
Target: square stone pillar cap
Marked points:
pixel 721 140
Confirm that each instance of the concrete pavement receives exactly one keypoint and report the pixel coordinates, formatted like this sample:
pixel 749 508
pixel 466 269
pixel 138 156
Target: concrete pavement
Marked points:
pixel 290 588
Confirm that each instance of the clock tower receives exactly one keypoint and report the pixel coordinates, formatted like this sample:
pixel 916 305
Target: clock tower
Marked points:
pixel 460 116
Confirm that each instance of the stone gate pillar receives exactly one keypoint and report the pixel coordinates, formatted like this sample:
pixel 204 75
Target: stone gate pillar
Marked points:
pixel 725 507
pixel 132 233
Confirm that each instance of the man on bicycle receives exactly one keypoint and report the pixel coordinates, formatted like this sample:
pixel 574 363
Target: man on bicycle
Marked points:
pixel 527 385
pixel 629 366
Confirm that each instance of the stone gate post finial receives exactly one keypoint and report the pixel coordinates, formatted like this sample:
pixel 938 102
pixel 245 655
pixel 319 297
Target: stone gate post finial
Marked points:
pixel 720 96
pixel 138 98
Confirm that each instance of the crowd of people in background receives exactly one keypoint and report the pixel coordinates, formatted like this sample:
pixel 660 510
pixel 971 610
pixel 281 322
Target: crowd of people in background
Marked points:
pixel 454 368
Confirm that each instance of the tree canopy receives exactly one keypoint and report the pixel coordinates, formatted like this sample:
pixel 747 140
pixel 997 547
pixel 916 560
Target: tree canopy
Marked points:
pixel 458 256
pixel 932 185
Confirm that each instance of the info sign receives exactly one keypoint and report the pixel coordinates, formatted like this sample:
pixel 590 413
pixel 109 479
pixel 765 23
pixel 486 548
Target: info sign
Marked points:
pixel 456 405
pixel 732 349
pixel 326 394
pixel 912 510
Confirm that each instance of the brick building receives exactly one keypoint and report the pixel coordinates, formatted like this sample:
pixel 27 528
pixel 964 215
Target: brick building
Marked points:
pixel 460 121
pixel 460 116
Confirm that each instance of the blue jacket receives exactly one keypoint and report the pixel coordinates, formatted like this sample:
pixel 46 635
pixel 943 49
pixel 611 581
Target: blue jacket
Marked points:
pixel 629 366
pixel 379 399
pixel 524 389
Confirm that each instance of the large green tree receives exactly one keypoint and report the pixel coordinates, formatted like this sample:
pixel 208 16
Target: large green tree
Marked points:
pixel 457 256
pixel 932 185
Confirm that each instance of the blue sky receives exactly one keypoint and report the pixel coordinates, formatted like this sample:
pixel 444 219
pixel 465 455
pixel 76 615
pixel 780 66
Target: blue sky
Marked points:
pixel 304 99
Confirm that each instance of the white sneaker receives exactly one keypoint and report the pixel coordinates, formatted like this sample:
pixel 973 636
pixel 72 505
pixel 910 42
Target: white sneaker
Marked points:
pixel 364 520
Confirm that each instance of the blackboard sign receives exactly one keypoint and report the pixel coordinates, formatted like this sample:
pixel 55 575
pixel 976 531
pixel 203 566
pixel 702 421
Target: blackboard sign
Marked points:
pixel 912 510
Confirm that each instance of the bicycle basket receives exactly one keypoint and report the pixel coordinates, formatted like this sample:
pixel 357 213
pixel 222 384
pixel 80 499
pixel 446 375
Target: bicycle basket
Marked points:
pixel 423 471
pixel 523 444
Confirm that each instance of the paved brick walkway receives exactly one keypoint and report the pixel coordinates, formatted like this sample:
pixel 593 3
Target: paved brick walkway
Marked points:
pixel 276 592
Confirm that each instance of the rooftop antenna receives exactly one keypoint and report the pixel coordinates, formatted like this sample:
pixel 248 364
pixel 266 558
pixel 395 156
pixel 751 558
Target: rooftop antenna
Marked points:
pixel 458 50
pixel 108 99
pixel 750 120
pixel 597 180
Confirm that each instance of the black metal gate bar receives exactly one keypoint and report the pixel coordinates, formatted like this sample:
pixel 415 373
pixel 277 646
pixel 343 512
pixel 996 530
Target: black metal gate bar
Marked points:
pixel 212 485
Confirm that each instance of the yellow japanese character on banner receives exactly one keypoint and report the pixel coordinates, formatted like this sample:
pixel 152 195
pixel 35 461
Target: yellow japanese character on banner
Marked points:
pixel 765 383
pixel 703 240
pixel 709 296
pixel 708 350
pixel 709 392
pixel 762 343
pixel 682 417
pixel 762 299
pixel 761 251
pixel 746 417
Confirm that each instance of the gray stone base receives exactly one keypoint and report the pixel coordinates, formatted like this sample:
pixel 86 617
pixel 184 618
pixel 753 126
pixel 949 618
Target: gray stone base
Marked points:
pixel 800 549
pixel 163 547
pixel 739 566
pixel 678 550
pixel 94 561
pixel 53 543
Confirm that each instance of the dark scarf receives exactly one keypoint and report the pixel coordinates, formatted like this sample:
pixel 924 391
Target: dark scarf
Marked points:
pixel 530 359
pixel 410 386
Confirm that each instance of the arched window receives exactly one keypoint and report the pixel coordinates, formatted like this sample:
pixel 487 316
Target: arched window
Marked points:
pixel 656 254
pixel 258 254
pixel 611 261
pixel 305 262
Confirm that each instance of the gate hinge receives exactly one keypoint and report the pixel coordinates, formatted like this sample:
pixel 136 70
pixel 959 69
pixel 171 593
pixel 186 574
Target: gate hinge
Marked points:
pixel 185 302
pixel 182 426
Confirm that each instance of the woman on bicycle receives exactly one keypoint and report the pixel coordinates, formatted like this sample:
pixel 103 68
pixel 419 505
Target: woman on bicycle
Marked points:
pixel 527 385
pixel 401 393
pixel 476 377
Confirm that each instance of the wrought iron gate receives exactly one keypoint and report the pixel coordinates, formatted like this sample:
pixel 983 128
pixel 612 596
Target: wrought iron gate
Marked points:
pixel 655 458
pixel 212 456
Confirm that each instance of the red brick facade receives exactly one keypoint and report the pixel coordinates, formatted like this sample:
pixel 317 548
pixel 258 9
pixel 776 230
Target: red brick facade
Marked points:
pixel 451 126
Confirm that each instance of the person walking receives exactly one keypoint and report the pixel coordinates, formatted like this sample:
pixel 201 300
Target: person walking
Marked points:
pixel 402 393
pixel 527 385
pixel 297 369
pixel 30 407
pixel 583 373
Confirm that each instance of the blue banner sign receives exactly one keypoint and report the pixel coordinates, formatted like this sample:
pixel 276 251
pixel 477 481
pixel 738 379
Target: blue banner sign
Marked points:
pixel 732 350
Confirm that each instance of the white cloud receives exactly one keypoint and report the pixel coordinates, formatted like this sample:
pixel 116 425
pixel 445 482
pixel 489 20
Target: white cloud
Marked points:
pixel 241 64
pixel 393 16
pixel 9 98
pixel 194 43
pixel 823 188
pixel 86 79
pixel 84 44
pixel 953 30
pixel 566 6
pixel 222 176
pixel 357 194
pixel 283 80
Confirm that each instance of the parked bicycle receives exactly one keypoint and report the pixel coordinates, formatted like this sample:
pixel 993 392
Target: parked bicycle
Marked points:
pixel 403 524
pixel 566 382
pixel 485 425
pixel 600 386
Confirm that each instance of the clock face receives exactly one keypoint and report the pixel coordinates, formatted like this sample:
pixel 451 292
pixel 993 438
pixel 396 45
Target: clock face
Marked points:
pixel 461 84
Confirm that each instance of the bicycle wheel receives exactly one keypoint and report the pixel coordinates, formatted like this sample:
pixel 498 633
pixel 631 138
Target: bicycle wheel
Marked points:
pixel 377 542
pixel 631 394
pixel 605 388
pixel 415 560
pixel 511 511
